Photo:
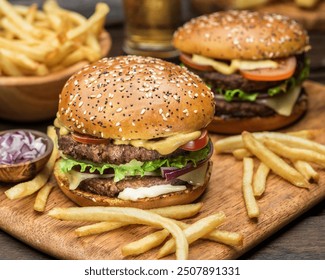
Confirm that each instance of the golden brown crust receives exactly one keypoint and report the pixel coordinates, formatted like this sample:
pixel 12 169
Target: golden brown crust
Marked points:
pixel 236 126
pixel 89 199
pixel 132 97
pixel 242 35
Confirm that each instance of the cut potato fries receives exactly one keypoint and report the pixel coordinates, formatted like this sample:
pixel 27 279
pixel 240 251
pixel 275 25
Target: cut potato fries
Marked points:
pixel 173 212
pixel 273 161
pixel 145 244
pixel 295 153
pixel 306 170
pixel 194 232
pixel 43 194
pixel 45 41
pixel 288 155
pixel 231 143
pixel 259 180
pixel 182 234
pixel 27 188
pixel 127 215
pixel 250 202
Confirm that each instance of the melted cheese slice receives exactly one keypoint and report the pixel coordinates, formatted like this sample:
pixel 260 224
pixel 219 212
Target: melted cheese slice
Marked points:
pixel 164 146
pixel 235 64
pixel 76 177
pixel 284 103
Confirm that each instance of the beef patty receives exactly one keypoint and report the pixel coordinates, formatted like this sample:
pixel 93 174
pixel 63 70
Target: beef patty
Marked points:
pixel 107 187
pixel 247 109
pixel 108 153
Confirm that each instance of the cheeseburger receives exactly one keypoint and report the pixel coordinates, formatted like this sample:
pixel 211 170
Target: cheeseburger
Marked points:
pixel 253 62
pixel 132 132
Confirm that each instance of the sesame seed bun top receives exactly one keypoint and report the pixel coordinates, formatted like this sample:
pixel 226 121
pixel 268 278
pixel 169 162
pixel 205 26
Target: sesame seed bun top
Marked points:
pixel 242 35
pixel 132 97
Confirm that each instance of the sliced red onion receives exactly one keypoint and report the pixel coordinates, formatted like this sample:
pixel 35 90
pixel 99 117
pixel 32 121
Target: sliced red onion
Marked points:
pixel 173 172
pixel 20 146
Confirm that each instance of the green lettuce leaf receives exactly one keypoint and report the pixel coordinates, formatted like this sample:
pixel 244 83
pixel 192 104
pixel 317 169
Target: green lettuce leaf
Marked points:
pixel 135 167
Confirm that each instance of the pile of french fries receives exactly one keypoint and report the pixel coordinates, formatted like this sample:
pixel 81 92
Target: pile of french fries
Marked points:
pixel 38 42
pixel 42 183
pixel 167 218
pixel 292 156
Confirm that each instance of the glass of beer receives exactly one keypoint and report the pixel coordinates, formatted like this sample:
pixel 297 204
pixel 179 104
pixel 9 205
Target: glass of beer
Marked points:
pixel 149 27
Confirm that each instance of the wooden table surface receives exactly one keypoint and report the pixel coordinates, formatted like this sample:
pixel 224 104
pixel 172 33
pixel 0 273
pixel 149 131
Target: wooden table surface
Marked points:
pixel 303 238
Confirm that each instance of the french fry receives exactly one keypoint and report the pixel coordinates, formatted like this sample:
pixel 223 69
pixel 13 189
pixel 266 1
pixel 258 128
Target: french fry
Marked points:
pixel 173 212
pixel 8 10
pixel 179 212
pixel 100 13
pixel 145 244
pixel 228 144
pixel 259 180
pixel 225 237
pixel 306 170
pixel 54 38
pixel 239 154
pixel 195 231
pixel 29 187
pixel 295 153
pixel 43 194
pixel 127 215
pixel 273 161
pixel 250 202
pixel 8 67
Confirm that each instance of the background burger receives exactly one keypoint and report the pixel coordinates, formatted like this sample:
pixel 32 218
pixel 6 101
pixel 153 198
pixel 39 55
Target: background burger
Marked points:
pixel 253 62
pixel 131 131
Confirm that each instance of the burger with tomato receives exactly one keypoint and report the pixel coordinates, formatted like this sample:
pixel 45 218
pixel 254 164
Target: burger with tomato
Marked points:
pixel 132 132
pixel 253 62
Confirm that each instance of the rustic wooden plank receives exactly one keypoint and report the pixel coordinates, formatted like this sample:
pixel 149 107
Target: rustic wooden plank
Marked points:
pixel 280 204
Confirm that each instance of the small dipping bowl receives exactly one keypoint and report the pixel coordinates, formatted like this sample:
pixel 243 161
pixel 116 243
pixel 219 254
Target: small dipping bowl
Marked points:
pixel 26 170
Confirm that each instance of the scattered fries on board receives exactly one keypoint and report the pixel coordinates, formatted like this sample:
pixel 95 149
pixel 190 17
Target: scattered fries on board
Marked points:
pixel 289 155
pixel 182 234
pixel 42 183
pixel 38 42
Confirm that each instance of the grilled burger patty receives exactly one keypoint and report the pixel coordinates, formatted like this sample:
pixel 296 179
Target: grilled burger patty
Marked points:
pixel 247 109
pixel 107 187
pixel 108 152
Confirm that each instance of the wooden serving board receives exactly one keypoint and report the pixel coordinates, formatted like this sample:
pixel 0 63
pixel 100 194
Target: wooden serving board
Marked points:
pixel 280 204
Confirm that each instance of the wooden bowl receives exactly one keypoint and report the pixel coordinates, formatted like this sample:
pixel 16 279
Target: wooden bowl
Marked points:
pixel 28 99
pixel 23 171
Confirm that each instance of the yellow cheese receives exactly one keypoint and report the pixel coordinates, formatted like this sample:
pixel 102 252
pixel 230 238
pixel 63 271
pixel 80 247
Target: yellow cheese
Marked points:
pixel 235 64
pixel 164 146
pixel 76 177
pixel 284 103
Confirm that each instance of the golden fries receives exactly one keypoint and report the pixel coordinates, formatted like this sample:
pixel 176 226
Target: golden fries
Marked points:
pixel 288 155
pixel 43 194
pixel 173 212
pixel 306 170
pixel 259 180
pixel 145 244
pixel 273 161
pixel 128 215
pixel 295 153
pixel 194 232
pixel 46 39
pixel 27 188
pixel 250 202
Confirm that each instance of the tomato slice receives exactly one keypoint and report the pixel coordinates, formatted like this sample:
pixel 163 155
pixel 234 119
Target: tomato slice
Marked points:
pixel 87 139
pixel 187 60
pixel 198 143
pixel 285 70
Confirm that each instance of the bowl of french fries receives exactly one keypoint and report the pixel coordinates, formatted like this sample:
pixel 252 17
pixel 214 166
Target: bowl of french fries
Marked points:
pixel 39 50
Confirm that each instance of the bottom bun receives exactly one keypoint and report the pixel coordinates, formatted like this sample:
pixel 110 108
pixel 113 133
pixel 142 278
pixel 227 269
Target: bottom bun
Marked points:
pixel 83 198
pixel 254 124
